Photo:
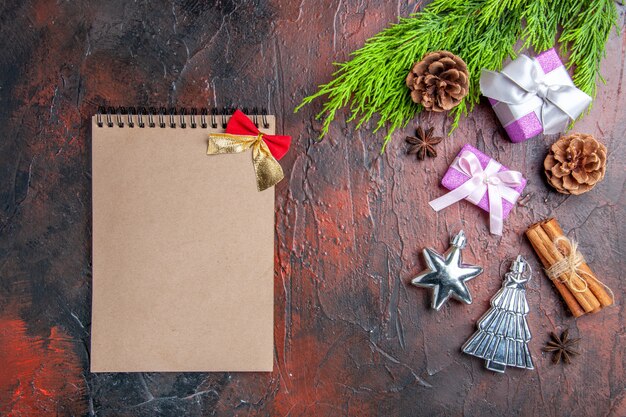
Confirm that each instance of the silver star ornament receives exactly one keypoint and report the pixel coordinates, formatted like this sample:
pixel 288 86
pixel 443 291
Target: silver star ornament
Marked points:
pixel 446 274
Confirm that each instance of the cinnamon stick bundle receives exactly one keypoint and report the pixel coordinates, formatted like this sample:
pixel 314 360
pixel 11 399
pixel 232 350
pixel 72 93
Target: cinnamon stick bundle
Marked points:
pixel 580 288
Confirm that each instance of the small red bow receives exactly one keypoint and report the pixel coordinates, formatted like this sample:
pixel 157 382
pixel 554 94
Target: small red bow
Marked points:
pixel 240 124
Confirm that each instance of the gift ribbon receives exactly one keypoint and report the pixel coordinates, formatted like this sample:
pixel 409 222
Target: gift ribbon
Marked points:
pixel 523 82
pixel 497 185
pixel 241 135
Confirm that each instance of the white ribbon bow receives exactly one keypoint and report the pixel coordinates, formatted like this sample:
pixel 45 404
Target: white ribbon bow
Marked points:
pixel 524 82
pixel 497 185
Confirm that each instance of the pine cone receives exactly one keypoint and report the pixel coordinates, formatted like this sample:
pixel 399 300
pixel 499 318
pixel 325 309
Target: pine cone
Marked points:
pixel 439 81
pixel 575 163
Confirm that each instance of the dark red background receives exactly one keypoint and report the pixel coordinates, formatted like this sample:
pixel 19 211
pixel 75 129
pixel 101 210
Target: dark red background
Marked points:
pixel 352 338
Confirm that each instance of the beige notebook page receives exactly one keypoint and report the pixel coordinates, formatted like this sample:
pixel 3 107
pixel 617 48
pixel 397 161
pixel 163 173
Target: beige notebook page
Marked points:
pixel 183 254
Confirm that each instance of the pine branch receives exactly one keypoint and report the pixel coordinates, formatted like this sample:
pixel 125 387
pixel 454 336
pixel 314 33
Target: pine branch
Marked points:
pixel 541 26
pixel 481 32
pixel 587 31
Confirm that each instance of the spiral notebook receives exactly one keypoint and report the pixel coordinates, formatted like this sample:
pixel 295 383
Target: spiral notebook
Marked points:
pixel 183 247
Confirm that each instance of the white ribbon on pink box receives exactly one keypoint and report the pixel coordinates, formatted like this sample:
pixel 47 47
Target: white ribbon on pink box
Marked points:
pixel 498 184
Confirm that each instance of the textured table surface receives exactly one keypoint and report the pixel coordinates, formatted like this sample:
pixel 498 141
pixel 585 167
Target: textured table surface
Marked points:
pixel 352 338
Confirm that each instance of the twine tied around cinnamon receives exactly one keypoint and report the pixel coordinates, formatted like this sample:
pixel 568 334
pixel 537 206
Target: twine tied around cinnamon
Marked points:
pixel 580 288
pixel 568 271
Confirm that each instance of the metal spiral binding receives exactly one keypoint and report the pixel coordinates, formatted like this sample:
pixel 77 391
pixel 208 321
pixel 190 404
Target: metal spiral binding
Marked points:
pixel 173 118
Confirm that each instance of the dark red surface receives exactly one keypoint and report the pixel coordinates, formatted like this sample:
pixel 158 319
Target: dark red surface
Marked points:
pixel 352 338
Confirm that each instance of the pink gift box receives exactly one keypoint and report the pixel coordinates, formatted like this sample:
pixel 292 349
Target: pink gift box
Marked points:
pixel 528 125
pixel 454 178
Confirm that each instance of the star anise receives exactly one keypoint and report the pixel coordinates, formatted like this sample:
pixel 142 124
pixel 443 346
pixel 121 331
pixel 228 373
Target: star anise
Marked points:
pixel 562 347
pixel 423 144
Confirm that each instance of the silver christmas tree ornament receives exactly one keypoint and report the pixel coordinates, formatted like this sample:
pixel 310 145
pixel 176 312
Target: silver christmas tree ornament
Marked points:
pixel 446 274
pixel 503 334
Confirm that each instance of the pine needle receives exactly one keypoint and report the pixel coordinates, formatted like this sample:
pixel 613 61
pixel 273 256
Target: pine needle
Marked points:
pixel 482 32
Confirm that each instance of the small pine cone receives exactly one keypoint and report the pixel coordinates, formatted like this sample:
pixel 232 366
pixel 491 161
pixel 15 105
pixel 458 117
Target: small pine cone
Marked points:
pixel 439 81
pixel 575 163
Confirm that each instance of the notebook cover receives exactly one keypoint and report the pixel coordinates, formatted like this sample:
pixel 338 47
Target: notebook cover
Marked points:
pixel 183 248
